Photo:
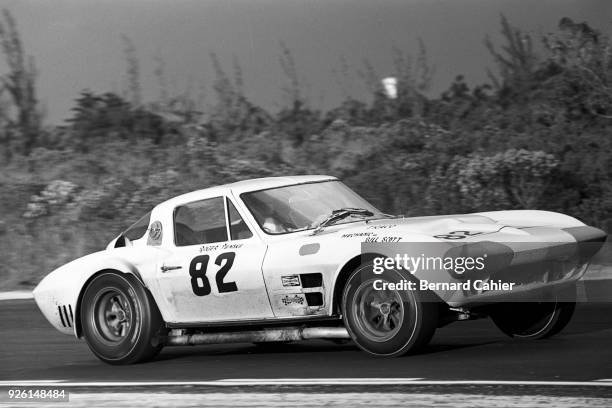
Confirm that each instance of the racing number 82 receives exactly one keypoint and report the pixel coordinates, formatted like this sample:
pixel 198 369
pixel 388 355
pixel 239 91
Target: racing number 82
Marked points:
pixel 200 283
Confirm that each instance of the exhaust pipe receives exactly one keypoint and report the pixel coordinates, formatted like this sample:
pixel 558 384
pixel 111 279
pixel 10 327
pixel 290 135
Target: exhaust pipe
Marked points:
pixel 257 336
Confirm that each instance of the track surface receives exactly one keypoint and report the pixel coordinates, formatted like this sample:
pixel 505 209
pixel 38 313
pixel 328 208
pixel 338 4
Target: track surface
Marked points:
pixel 30 349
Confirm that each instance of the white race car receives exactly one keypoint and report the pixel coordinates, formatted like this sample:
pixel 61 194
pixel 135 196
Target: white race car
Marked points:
pixel 292 258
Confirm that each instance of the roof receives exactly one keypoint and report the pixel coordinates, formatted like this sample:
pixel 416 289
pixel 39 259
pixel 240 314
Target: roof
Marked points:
pixel 240 187
pixel 244 186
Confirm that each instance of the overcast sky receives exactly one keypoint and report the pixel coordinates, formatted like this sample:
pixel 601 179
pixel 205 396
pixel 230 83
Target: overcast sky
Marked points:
pixel 77 43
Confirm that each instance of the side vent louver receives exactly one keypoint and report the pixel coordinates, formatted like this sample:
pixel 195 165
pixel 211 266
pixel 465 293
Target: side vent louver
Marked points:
pixel 311 280
pixel 66 316
pixel 314 298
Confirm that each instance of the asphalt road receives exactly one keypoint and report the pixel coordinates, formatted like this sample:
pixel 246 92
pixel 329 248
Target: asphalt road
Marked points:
pixel 30 349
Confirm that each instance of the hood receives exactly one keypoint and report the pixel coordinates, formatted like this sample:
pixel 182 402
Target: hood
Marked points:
pixel 510 226
pixel 419 226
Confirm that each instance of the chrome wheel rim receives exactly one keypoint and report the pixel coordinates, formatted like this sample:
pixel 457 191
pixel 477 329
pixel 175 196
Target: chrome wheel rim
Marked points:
pixel 113 315
pixel 378 314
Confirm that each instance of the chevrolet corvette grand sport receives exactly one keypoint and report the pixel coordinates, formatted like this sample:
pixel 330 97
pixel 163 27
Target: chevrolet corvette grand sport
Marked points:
pixel 293 258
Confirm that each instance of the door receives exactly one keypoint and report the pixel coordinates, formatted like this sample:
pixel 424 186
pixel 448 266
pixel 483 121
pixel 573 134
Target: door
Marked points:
pixel 214 270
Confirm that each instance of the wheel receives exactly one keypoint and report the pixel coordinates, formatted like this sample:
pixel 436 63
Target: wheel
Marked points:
pixel 387 322
pixel 535 320
pixel 120 320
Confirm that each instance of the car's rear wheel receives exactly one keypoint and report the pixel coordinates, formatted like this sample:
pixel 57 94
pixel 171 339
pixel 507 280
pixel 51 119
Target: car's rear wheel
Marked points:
pixel 535 320
pixel 387 322
pixel 120 320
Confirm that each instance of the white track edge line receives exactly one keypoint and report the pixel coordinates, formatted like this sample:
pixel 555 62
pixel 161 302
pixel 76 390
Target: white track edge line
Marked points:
pixel 16 295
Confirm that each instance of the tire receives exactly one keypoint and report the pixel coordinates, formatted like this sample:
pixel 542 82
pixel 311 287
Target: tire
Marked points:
pixel 387 323
pixel 120 320
pixel 535 320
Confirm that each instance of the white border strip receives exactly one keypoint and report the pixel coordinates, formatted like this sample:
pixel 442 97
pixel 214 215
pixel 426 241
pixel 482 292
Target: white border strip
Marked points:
pixel 16 295
pixel 298 381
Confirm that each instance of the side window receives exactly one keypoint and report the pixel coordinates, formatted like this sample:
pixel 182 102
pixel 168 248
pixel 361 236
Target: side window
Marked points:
pixel 139 228
pixel 200 222
pixel 238 228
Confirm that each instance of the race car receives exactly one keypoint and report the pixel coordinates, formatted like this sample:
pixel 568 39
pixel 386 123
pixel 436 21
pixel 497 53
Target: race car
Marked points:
pixel 291 258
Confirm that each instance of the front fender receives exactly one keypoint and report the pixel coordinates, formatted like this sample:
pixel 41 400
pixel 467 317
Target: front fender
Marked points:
pixel 57 295
pixel 532 218
pixel 356 251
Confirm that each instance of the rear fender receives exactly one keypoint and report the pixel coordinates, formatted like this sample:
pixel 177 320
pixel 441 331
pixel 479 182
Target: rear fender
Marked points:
pixel 59 294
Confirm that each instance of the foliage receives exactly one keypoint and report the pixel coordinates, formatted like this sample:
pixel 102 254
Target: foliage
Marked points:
pixel 516 60
pixel 20 117
pixel 132 71
pixel 102 118
pixel 537 137
pixel 515 178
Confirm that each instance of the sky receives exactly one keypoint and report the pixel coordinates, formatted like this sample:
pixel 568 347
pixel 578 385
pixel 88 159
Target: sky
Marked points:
pixel 77 44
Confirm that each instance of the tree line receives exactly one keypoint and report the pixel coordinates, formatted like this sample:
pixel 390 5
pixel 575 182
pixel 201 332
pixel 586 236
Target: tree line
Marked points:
pixel 536 135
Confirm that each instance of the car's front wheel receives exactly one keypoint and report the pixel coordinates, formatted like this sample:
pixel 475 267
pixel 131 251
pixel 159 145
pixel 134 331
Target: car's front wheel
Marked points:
pixel 535 320
pixel 383 321
pixel 120 320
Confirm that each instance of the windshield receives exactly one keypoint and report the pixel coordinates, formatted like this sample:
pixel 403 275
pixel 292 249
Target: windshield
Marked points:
pixel 303 206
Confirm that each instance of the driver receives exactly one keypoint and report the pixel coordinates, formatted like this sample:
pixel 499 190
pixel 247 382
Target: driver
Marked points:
pixel 270 223
pixel 273 226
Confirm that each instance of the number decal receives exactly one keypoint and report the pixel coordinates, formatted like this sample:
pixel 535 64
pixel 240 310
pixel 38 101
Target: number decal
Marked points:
pixel 200 283
pixel 224 287
pixel 458 234
pixel 197 271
